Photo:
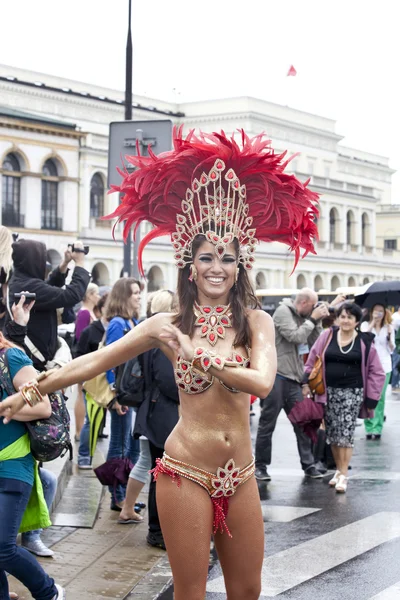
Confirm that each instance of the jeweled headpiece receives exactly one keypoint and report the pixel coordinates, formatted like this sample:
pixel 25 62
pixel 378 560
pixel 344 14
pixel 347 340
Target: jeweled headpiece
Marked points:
pixel 210 185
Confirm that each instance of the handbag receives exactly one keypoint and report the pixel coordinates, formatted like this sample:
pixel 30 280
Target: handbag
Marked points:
pixel 316 377
pixel 49 438
pixel 98 387
pixel 130 383
pixel 115 471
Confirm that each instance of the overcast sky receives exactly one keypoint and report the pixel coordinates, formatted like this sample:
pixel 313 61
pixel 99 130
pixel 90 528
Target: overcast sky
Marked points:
pixel 345 53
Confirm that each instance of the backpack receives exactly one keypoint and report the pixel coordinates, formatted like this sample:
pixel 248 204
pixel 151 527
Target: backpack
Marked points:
pixel 130 383
pixel 49 438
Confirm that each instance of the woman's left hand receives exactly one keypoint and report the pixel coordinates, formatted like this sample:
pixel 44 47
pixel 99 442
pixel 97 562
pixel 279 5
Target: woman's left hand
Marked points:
pixel 10 406
pixel 178 341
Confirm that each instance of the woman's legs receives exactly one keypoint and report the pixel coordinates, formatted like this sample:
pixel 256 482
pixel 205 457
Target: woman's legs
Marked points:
pixel 242 555
pixel 137 479
pixel 186 515
pixel 374 426
pixel 119 446
pixel 79 410
pixel 49 483
pixel 342 458
pixel 14 559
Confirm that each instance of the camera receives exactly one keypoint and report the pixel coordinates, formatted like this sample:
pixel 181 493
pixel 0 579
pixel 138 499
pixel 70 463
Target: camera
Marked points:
pixel 84 250
pixel 29 297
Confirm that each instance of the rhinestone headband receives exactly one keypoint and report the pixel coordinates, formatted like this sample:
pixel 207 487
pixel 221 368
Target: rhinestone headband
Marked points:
pixel 217 214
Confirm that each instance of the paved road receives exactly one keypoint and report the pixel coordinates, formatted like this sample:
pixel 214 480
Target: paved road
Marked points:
pixel 320 544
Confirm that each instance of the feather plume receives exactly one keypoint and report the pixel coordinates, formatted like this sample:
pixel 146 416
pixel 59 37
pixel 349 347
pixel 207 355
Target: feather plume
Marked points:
pixel 282 207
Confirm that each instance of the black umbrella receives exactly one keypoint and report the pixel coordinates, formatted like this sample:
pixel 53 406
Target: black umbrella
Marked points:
pixel 386 293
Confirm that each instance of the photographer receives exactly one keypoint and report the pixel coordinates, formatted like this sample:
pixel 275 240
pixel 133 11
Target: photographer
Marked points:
pixel 29 258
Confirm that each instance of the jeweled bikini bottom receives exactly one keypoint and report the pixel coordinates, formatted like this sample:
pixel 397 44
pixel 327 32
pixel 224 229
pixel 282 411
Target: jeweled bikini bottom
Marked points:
pixel 220 487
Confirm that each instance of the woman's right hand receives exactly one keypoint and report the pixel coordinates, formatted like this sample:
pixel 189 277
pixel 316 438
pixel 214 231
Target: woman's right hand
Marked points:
pixel 21 311
pixel 306 391
pixel 10 406
pixel 121 410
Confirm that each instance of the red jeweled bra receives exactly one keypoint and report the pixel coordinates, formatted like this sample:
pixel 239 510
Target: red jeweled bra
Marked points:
pixel 192 381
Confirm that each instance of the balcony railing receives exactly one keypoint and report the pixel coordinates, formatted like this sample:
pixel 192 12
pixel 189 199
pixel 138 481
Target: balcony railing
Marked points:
pixel 12 218
pixel 52 223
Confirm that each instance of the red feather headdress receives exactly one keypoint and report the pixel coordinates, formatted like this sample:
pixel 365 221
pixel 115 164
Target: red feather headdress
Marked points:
pixel 209 184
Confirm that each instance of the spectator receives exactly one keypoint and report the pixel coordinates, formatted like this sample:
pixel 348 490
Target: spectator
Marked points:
pixel 155 419
pixel 83 319
pixel 5 269
pixel 29 259
pixel 121 312
pixel 395 381
pixel 353 380
pixel 16 483
pixel 297 326
pixel 15 332
pixel 89 341
pixel 380 325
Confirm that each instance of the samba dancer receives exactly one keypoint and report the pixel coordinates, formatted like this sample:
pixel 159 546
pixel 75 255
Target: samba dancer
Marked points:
pixel 216 200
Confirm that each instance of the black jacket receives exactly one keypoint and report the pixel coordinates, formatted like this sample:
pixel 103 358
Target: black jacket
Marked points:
pixel 29 258
pixel 90 339
pixel 158 414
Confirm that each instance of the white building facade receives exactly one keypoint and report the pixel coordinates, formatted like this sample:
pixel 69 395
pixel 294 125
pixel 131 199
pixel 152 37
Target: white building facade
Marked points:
pixel 53 166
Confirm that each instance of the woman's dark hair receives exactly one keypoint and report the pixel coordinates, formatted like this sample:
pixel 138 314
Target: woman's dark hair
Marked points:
pixel 117 301
pixel 241 297
pixel 351 308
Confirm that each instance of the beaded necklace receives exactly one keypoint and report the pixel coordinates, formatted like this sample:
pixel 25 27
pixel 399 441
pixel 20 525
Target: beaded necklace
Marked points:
pixel 213 321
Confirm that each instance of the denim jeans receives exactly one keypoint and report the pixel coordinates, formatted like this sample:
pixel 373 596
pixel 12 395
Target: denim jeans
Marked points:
pixel 122 444
pixel 140 471
pixel 395 372
pixel 84 440
pixel 16 560
pixel 49 483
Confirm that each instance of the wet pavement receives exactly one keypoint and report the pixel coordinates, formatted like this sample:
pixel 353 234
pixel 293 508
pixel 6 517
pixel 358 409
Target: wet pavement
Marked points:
pixel 319 544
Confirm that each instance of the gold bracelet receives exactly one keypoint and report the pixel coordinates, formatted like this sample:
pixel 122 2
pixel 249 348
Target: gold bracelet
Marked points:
pixel 30 393
pixel 204 359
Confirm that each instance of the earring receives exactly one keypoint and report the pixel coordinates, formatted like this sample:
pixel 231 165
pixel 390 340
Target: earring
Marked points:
pixel 237 274
pixel 193 273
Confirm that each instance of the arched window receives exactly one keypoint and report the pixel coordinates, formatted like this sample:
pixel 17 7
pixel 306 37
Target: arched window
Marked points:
pixel 365 230
pixel 301 282
pixel 11 192
pixel 349 227
pixel 155 279
pixel 96 196
pixel 50 219
pixel 335 283
pixel 261 281
pixel 352 282
pixel 318 283
pixel 333 219
pixel 365 280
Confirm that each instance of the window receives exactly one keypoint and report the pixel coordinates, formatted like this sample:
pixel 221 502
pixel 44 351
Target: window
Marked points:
pixel 349 228
pixel 390 244
pixel 332 225
pixel 50 218
pixel 364 230
pixel 11 192
pixel 96 196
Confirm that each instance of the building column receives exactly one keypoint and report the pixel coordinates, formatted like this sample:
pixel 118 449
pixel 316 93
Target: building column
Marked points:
pixel 31 201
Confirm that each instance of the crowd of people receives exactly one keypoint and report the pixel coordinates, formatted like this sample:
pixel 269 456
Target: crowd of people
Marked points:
pixel 194 362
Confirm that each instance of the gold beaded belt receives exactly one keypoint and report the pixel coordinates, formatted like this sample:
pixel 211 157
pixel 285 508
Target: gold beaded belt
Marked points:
pixel 220 486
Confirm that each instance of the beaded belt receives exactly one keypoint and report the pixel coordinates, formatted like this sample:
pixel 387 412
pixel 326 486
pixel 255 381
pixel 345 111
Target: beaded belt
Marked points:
pixel 219 486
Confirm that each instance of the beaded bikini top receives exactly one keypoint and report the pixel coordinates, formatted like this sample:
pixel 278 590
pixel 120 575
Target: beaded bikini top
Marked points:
pixel 193 381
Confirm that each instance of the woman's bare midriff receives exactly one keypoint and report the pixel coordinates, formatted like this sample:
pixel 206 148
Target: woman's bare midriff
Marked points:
pixel 213 428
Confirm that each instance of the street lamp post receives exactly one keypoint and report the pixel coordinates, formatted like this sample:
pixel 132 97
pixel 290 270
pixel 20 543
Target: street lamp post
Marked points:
pixel 128 117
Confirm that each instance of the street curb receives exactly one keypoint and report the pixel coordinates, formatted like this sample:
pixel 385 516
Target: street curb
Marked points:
pixel 62 469
pixel 154 583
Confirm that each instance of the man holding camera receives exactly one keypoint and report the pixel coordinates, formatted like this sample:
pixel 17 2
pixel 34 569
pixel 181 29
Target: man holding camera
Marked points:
pixel 297 326
pixel 29 260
